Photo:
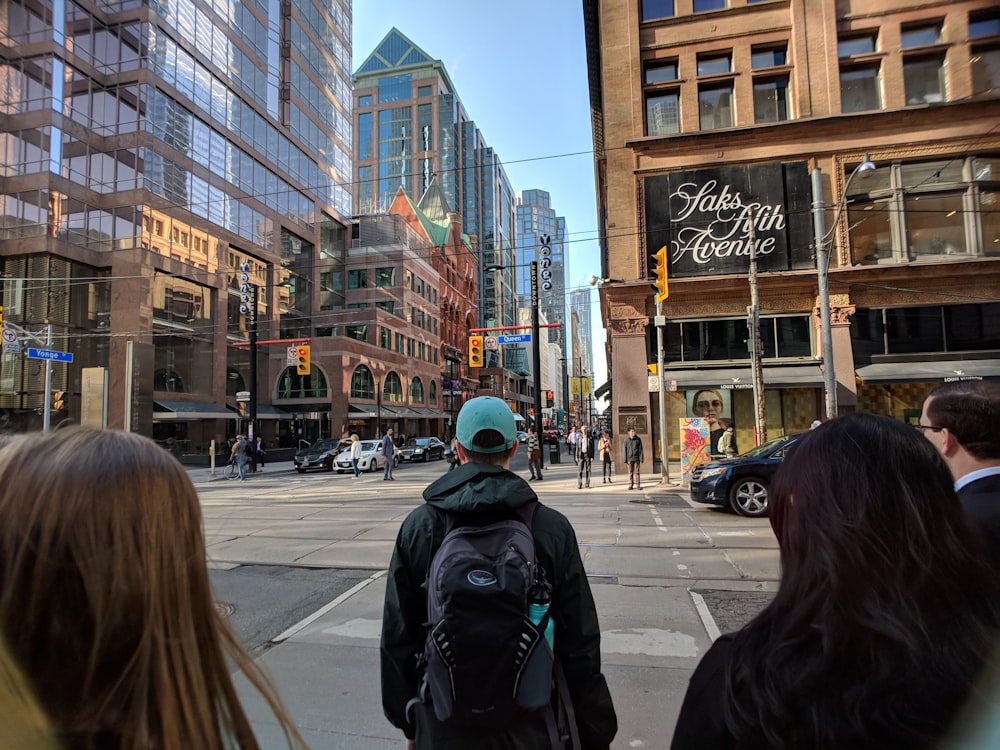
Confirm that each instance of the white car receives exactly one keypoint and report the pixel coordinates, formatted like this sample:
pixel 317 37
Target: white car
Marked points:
pixel 371 458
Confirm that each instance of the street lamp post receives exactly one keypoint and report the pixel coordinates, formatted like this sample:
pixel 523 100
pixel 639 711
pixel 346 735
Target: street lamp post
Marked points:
pixel 822 241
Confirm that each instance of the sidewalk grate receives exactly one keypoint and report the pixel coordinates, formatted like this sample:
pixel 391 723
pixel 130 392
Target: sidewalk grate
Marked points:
pixel 669 500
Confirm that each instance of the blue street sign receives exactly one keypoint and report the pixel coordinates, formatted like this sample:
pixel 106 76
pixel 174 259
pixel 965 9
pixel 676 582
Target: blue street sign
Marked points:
pixel 50 354
pixel 523 338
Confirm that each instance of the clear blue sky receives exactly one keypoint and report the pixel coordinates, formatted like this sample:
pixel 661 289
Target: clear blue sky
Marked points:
pixel 520 69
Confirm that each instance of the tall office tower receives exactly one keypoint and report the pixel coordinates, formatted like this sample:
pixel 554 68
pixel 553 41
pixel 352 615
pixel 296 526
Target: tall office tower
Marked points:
pixel 583 335
pixel 853 152
pixel 162 161
pixel 535 218
pixel 411 128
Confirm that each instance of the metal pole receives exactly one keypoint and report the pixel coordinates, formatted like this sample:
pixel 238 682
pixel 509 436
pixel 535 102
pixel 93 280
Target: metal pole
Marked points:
pixel 378 408
pixel 252 422
pixel 47 403
pixel 756 352
pixel 661 322
pixel 823 284
pixel 536 352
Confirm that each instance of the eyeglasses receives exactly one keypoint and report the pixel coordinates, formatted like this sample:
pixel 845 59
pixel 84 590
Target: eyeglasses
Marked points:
pixel 931 427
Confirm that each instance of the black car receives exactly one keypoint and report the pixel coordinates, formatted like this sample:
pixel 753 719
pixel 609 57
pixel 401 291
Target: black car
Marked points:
pixel 320 455
pixel 422 449
pixel 741 482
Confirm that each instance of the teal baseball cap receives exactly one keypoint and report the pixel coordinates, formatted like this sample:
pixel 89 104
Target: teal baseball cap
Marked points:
pixel 485 413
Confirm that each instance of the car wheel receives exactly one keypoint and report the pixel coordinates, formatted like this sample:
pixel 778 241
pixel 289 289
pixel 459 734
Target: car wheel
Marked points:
pixel 373 466
pixel 427 457
pixel 749 497
pixel 301 471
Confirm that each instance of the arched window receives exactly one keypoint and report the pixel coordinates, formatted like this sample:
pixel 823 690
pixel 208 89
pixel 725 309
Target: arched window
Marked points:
pixel 416 391
pixel 433 393
pixel 234 382
pixel 393 390
pixel 362 383
pixel 293 385
pixel 168 380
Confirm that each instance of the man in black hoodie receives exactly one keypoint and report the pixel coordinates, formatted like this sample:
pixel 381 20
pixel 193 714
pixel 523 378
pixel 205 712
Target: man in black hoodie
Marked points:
pixel 485 489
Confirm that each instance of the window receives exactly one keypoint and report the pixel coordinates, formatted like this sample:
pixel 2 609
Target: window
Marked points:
pixel 433 393
pixel 362 383
pixel 653 9
pixel 860 88
pixel 769 58
pixel 293 385
pixel 923 79
pixel 357 279
pixel 357 332
pixel 714 64
pixel 416 391
pixel 662 105
pixel 770 99
pixel 701 6
pixel 385 276
pixel 984 24
pixel 425 91
pixel 856 45
pixel 392 391
pixel 660 72
pixel 715 106
pixel 925 330
pixel 985 65
pixel 365 135
pixel 365 101
pixel 786 337
pixel 923 35
pixel 384 337
pixel 388 305
pixel 917 210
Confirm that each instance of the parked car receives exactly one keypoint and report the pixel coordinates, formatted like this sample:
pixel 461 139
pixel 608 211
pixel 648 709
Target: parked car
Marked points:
pixel 371 457
pixel 422 449
pixel 320 455
pixel 522 436
pixel 550 437
pixel 741 483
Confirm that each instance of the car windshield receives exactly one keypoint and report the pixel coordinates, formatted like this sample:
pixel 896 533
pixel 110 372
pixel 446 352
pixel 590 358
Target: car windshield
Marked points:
pixel 321 446
pixel 368 445
pixel 766 448
pixel 415 442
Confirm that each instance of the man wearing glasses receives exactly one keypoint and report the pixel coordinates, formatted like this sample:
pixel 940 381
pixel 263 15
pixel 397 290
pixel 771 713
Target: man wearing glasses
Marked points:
pixel 962 420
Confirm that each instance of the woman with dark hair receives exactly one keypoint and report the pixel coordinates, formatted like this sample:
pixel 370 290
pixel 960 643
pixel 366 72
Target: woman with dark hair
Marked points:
pixel 886 616
pixel 106 604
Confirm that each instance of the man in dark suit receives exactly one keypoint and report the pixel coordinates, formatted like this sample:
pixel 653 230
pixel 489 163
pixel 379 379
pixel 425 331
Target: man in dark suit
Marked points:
pixel 962 420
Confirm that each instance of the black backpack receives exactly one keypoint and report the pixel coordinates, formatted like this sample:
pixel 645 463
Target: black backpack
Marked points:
pixel 486 665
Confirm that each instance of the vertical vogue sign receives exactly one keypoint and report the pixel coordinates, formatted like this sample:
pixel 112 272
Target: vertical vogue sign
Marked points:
pixel 703 218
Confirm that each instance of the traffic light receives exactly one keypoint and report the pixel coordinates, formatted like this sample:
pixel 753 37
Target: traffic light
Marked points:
pixel 550 399
pixel 475 351
pixel 59 401
pixel 661 274
pixel 302 366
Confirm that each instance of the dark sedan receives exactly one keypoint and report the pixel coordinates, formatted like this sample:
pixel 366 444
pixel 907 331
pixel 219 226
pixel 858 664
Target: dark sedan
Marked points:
pixel 741 482
pixel 422 449
pixel 320 455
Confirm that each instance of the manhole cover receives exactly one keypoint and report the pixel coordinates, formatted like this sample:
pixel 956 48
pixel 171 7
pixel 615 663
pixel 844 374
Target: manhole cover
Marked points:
pixel 225 609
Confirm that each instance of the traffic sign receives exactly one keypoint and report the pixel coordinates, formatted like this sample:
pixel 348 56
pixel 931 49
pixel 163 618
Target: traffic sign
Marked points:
pixel 242 395
pixel 291 356
pixel 50 354
pixel 491 343
pixel 9 336
pixel 522 338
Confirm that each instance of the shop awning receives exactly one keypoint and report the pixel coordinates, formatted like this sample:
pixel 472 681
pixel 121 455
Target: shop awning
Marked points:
pixel 944 371
pixel 369 411
pixel 268 411
pixel 775 376
pixel 518 417
pixel 188 411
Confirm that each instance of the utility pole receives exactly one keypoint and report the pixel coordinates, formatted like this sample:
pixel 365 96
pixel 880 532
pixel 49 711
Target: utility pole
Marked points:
pixel 252 325
pixel 661 322
pixel 753 315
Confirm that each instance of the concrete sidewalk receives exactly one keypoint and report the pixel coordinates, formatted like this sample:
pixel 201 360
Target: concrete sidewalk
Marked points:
pixel 653 634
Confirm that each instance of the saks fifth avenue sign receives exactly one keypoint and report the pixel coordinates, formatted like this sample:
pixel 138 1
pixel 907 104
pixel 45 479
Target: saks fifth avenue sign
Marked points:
pixel 704 218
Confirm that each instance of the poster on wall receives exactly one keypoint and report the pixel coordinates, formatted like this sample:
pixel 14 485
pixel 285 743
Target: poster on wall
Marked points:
pixel 713 405
pixel 694 443
pixel 703 217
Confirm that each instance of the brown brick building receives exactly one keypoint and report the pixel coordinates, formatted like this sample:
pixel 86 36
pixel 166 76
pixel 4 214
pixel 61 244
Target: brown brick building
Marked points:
pixel 712 117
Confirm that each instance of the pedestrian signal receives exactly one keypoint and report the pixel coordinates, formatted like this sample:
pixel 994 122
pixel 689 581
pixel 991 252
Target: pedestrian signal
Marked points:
pixel 550 399
pixel 302 365
pixel 475 351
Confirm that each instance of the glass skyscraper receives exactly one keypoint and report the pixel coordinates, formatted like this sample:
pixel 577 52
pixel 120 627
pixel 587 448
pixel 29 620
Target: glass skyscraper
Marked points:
pixel 157 156
pixel 535 218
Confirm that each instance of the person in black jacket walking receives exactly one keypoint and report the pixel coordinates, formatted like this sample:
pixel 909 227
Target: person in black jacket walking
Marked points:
pixel 586 449
pixel 484 488
pixel 633 457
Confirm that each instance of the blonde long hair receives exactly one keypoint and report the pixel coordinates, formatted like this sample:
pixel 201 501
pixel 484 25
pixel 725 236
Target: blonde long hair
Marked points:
pixel 106 603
